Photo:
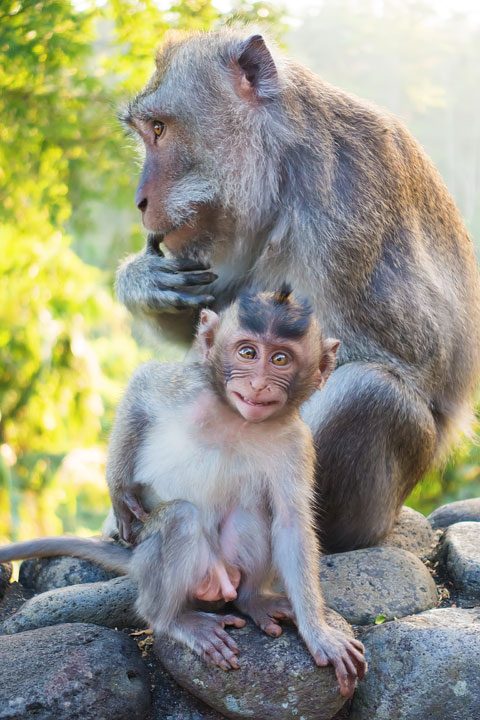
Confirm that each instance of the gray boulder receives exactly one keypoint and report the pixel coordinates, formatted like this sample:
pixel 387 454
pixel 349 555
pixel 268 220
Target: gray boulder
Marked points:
pixel 386 581
pixel 411 532
pixel 5 575
pixel 455 512
pixel 172 702
pixel 461 555
pixel 424 666
pixel 277 679
pixel 106 603
pixel 72 672
pixel 14 598
pixel 50 573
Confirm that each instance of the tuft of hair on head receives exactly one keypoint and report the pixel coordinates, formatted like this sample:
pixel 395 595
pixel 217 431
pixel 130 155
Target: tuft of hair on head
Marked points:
pixel 283 294
pixel 278 314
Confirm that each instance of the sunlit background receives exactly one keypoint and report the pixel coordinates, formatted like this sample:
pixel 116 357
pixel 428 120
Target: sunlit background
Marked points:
pixel 67 180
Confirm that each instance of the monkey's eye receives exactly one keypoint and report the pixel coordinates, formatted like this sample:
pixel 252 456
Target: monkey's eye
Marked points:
pixel 158 128
pixel 247 353
pixel 280 359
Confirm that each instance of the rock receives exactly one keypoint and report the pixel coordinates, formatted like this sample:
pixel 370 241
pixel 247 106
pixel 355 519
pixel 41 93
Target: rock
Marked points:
pixel 72 672
pixel 411 532
pixel 424 666
pixel 41 574
pixel 455 512
pixel 363 584
pixel 277 678
pixel 461 555
pixel 5 575
pixel 14 598
pixel 106 603
pixel 172 702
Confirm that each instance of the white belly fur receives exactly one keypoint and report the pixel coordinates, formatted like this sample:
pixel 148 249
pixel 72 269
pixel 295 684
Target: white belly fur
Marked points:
pixel 174 464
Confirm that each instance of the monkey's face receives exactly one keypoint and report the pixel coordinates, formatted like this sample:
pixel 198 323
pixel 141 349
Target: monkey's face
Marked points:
pixel 200 121
pixel 259 376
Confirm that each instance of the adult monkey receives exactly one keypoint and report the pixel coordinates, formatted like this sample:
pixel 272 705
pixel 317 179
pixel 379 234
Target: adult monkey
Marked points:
pixel 257 169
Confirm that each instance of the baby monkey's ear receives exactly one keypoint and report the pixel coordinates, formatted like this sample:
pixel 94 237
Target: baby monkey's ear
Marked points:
pixel 328 359
pixel 207 329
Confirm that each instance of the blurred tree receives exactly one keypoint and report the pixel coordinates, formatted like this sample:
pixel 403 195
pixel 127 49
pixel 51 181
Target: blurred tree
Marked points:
pixel 66 174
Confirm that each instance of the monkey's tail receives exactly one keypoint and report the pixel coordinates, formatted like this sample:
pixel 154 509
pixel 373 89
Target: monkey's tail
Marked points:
pixel 104 553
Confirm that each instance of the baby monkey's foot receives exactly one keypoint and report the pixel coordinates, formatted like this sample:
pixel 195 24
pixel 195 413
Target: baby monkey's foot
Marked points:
pixel 267 610
pixel 346 654
pixel 205 633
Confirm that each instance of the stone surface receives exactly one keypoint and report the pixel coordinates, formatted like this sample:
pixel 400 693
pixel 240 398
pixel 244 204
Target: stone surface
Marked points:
pixel 107 603
pixel 461 556
pixel 424 666
pixel 72 672
pixel 172 702
pixel 50 573
pixel 277 678
pixel 362 584
pixel 14 598
pixel 411 532
pixel 5 575
pixel 460 511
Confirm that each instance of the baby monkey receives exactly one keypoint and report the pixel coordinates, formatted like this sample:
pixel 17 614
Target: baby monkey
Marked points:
pixel 213 459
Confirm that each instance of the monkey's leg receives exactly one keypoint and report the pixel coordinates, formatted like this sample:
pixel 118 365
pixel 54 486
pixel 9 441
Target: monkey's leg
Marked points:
pixel 168 565
pixel 245 543
pixel 375 437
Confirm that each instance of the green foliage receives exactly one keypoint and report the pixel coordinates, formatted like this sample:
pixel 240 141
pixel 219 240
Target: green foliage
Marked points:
pixel 66 189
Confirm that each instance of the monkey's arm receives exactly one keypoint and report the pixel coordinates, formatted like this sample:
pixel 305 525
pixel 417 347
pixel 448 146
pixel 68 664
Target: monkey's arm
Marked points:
pixel 296 558
pixel 132 421
pixel 159 290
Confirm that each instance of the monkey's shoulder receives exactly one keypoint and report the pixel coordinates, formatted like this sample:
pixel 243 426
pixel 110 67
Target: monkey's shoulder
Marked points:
pixel 166 383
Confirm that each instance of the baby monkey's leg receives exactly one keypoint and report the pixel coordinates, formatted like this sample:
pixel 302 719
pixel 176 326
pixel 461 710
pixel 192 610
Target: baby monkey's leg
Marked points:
pixel 172 560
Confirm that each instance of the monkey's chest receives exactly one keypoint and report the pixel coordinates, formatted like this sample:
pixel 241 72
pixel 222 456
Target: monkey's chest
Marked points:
pixel 175 464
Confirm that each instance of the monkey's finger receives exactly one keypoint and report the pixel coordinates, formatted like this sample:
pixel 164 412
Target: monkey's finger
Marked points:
pixel 356 643
pixel 178 280
pixel 345 681
pixel 237 622
pixel 159 263
pixel 358 657
pixel 184 265
pixel 350 665
pixel 186 301
pixel 217 658
pixel 320 658
pixel 225 651
pixel 172 301
pixel 229 641
pixel 198 278
pixel 270 627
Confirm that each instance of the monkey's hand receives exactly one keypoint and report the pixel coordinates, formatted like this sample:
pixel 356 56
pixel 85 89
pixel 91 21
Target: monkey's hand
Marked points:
pixel 149 283
pixel 330 646
pixel 128 511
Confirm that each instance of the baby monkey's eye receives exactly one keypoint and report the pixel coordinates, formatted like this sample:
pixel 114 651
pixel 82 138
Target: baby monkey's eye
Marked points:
pixel 247 353
pixel 280 358
pixel 158 128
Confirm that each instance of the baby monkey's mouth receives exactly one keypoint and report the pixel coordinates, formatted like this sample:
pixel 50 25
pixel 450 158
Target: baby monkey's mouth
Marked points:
pixel 255 403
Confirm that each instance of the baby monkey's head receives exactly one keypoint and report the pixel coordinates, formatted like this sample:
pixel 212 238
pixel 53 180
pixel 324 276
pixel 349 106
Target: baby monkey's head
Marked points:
pixel 266 353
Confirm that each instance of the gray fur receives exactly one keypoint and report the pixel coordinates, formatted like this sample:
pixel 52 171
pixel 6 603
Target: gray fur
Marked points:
pixel 311 185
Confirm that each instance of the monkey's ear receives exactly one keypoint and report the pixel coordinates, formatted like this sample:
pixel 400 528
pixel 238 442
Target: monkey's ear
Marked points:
pixel 207 327
pixel 258 77
pixel 328 360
